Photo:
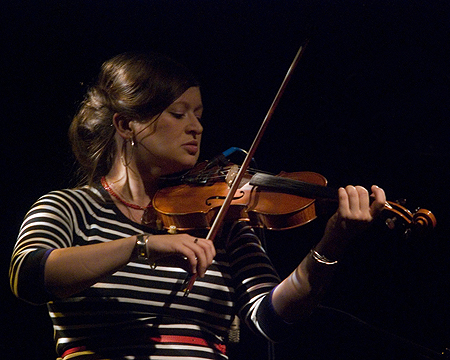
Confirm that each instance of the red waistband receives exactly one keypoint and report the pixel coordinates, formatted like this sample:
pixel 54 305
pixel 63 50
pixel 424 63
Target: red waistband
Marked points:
pixel 188 340
pixel 73 350
pixel 167 339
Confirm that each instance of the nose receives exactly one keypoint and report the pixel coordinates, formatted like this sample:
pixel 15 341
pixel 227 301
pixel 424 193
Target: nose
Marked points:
pixel 194 127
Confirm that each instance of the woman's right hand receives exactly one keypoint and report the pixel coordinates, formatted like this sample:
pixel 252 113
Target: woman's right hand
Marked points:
pixel 190 253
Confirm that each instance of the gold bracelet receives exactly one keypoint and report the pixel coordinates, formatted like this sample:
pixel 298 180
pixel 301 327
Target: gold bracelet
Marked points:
pixel 322 259
pixel 141 247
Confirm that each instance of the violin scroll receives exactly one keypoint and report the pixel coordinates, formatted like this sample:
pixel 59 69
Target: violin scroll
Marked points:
pixel 424 218
pixel 421 221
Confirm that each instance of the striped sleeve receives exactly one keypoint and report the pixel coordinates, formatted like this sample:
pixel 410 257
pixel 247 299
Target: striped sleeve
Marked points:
pixel 59 219
pixel 46 226
pixel 255 278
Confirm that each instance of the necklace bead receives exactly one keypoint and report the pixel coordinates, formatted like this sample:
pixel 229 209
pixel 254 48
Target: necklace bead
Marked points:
pixel 126 203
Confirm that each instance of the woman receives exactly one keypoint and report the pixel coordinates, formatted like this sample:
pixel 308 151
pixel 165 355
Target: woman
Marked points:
pixel 112 279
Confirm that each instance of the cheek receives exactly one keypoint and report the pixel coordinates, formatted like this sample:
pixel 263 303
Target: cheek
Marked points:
pixel 167 132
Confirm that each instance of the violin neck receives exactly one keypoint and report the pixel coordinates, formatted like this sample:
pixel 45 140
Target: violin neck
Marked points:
pixel 293 187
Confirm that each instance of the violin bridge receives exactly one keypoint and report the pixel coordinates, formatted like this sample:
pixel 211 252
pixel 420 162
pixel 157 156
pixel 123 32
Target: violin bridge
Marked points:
pixel 231 175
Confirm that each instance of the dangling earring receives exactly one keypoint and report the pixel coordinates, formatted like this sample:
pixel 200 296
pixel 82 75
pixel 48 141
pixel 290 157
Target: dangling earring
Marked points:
pixel 123 156
pixel 133 142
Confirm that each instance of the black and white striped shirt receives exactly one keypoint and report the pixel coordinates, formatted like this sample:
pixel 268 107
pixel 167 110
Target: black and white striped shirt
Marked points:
pixel 119 315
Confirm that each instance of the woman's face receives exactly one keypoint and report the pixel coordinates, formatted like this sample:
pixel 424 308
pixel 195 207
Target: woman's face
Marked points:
pixel 170 142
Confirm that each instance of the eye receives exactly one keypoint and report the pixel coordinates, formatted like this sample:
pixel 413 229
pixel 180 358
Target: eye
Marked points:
pixel 198 115
pixel 177 115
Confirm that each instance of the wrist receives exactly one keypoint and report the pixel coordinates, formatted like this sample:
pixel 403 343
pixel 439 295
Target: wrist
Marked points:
pixel 322 259
pixel 140 251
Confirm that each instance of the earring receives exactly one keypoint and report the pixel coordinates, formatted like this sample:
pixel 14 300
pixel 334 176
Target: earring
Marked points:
pixel 123 155
pixel 133 141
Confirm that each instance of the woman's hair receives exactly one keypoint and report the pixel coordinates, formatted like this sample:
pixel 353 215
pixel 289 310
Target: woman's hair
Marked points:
pixel 138 86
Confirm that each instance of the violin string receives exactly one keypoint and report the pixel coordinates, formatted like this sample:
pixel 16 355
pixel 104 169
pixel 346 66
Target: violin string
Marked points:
pixel 209 175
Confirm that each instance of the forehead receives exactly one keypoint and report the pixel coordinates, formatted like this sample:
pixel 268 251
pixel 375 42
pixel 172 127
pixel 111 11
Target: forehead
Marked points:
pixel 191 98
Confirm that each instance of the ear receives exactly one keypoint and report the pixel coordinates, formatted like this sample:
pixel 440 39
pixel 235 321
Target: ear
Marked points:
pixel 123 125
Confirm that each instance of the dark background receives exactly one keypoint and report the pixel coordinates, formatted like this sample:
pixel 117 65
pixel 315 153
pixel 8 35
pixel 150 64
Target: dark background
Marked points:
pixel 368 103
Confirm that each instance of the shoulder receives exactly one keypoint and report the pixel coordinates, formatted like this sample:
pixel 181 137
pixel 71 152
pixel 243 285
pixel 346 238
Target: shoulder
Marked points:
pixel 76 195
pixel 69 200
pixel 240 228
pixel 240 233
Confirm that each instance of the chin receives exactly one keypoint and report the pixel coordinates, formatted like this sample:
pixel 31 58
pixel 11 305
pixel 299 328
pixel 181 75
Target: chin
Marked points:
pixel 190 162
pixel 180 166
pixel 189 165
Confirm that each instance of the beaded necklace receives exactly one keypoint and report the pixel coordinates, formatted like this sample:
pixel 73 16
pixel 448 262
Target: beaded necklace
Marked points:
pixel 148 217
pixel 130 205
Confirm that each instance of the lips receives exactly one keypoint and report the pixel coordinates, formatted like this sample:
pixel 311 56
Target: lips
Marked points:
pixel 191 147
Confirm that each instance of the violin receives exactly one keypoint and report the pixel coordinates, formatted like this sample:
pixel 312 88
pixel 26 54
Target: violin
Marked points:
pixel 274 202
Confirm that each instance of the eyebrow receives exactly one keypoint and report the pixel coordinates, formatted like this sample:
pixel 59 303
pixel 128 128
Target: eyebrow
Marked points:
pixel 187 105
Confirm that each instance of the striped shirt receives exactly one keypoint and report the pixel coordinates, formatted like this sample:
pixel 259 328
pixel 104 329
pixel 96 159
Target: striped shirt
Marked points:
pixel 121 316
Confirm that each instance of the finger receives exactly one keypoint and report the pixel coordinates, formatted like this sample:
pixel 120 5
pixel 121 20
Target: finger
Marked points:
pixel 191 257
pixel 379 194
pixel 209 252
pixel 208 247
pixel 380 200
pixel 344 207
pixel 201 259
pixel 353 199
pixel 204 254
pixel 364 203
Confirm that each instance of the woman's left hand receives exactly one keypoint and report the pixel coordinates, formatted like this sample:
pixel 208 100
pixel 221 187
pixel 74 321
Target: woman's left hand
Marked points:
pixel 356 211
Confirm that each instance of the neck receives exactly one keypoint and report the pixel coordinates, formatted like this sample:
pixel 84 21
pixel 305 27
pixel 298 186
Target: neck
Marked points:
pixel 131 185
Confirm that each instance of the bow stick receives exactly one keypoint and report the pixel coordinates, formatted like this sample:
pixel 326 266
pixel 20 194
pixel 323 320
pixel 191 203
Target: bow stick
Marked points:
pixel 226 204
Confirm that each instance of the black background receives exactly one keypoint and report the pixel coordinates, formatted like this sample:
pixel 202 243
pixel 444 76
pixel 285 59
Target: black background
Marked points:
pixel 368 103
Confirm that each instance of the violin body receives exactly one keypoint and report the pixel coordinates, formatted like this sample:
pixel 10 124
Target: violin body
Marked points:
pixel 192 206
pixel 189 206
pixel 278 210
